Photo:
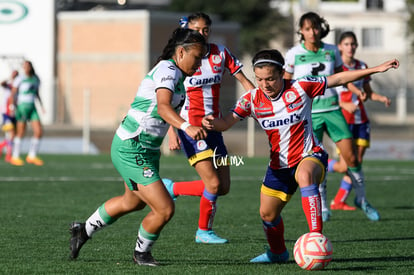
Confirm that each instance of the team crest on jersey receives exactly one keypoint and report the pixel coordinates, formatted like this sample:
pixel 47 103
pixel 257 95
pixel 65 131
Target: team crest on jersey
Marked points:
pixel 201 145
pixel 292 100
pixel 147 173
pixel 216 59
pixel 328 56
pixel 244 104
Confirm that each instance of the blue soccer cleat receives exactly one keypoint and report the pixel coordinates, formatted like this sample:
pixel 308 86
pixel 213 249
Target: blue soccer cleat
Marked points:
pixel 371 213
pixel 269 257
pixel 209 237
pixel 169 185
pixel 326 215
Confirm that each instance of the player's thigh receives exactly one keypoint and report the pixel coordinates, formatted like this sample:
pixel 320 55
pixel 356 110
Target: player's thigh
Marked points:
pixel 336 126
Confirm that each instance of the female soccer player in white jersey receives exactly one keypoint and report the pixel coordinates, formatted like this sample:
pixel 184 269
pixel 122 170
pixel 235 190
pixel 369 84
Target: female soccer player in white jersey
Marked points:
pixel 283 109
pixel 313 57
pixel 203 97
pixel 135 149
pixel 355 114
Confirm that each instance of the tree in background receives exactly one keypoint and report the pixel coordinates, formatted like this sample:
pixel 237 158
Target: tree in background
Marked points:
pixel 259 22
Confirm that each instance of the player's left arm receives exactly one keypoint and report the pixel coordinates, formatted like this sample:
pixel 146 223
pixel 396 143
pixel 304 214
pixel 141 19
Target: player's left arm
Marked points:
pixel 244 81
pixel 375 96
pixel 350 76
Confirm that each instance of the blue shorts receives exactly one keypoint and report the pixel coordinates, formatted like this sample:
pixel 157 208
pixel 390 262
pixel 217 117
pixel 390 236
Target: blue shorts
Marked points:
pixel 361 133
pixel 282 183
pixel 196 150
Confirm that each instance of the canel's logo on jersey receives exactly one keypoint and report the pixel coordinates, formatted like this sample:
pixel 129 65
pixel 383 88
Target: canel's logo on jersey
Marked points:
pixel 12 12
pixel 274 123
pixel 194 81
pixel 216 59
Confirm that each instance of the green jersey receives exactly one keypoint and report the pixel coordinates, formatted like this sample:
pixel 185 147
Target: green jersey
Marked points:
pixel 301 62
pixel 142 119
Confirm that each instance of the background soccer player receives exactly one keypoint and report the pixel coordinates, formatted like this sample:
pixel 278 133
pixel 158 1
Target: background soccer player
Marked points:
pixel 203 97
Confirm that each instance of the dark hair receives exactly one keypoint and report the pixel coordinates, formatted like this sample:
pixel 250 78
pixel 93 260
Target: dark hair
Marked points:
pixel 195 16
pixel 32 70
pixel 268 58
pixel 315 20
pixel 347 35
pixel 181 37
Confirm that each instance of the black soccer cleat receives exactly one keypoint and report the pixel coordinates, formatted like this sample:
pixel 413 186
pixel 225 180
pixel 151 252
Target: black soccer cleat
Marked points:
pixel 144 258
pixel 78 238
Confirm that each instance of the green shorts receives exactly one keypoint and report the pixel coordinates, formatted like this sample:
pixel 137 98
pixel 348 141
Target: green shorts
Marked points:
pixel 333 123
pixel 136 165
pixel 26 112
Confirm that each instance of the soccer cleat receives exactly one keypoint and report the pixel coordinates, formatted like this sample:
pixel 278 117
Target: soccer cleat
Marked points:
pixel 341 206
pixel 169 185
pixel 78 238
pixel 16 161
pixel 209 237
pixel 269 257
pixel 326 215
pixel 144 258
pixel 371 213
pixel 34 160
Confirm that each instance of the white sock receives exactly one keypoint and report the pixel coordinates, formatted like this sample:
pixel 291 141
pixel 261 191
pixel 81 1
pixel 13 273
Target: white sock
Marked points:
pixel 16 147
pixel 322 191
pixel 358 183
pixel 143 244
pixel 94 223
pixel 34 147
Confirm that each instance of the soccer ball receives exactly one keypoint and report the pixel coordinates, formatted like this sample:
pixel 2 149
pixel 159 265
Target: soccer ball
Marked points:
pixel 312 251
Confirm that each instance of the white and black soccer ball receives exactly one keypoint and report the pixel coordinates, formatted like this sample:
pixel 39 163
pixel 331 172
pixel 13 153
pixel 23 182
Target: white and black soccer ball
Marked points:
pixel 313 251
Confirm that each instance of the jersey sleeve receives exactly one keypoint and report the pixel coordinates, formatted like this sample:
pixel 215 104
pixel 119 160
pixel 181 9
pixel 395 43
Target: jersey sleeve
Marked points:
pixel 338 58
pixel 16 82
pixel 290 62
pixel 166 76
pixel 313 86
pixel 231 62
pixel 243 106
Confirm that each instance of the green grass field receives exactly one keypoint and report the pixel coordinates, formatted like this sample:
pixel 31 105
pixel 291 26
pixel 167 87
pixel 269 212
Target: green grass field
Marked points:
pixel 38 203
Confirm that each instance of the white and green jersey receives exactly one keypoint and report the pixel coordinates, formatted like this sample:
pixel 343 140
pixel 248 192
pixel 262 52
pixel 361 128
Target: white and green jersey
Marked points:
pixel 143 119
pixel 301 62
pixel 27 88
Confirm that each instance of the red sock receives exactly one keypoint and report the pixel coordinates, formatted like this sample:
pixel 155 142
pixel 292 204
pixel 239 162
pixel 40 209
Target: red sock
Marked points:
pixel 274 232
pixel 311 204
pixel 188 188
pixel 343 191
pixel 207 211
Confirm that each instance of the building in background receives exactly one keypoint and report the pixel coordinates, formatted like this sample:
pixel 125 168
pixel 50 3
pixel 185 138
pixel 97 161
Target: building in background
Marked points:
pixel 381 29
pixel 102 56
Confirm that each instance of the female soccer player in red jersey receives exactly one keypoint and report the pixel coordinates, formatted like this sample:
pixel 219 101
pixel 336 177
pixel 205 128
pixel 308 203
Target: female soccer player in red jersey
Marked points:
pixel 203 97
pixel 283 110
pixel 316 58
pixel 355 115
